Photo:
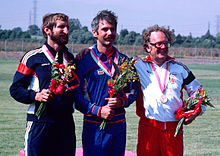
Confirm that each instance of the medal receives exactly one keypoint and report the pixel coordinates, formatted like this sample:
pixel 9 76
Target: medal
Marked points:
pixel 163 98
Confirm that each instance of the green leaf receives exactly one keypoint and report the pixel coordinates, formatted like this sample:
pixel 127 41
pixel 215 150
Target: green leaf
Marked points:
pixel 102 125
pixel 115 66
pixel 40 110
pixel 178 127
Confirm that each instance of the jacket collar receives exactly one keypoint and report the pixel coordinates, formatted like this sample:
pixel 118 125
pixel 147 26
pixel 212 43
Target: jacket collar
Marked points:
pixel 101 54
pixel 53 52
pixel 148 58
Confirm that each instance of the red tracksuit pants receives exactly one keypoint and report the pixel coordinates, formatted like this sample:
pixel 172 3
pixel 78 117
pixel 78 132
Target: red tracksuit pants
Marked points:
pixel 156 138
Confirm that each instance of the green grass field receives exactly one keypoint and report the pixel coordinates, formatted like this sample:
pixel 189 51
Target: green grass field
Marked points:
pixel 202 137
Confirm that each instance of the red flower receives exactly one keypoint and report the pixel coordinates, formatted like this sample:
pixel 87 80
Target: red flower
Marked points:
pixel 62 65
pixel 110 83
pixel 56 87
pixel 53 83
pixel 111 92
pixel 60 88
pixel 57 65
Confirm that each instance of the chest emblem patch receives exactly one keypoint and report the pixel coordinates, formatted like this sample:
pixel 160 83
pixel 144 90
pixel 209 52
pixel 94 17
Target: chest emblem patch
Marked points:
pixel 172 79
pixel 45 64
pixel 100 72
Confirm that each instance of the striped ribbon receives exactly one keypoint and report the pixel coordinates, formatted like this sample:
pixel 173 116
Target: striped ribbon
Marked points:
pixel 51 58
pixel 102 65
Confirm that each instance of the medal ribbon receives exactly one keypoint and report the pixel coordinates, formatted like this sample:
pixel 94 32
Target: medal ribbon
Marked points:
pixel 162 88
pixel 51 58
pixel 102 65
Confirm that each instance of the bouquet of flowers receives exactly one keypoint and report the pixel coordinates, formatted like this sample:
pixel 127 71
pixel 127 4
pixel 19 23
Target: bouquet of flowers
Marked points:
pixel 60 75
pixel 125 73
pixel 190 106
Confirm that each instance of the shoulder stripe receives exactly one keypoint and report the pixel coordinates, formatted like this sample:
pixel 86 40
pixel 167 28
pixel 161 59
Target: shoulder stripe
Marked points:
pixel 189 79
pixel 181 64
pixel 22 68
pixel 29 54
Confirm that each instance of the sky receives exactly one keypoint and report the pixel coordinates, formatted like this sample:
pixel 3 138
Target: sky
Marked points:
pixel 184 16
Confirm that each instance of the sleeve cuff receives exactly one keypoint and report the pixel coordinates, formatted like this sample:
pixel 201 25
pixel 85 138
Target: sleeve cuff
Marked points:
pixel 124 101
pixel 32 95
pixel 96 110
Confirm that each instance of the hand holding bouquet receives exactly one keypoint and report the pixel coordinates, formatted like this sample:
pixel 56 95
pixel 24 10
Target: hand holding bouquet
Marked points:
pixel 60 75
pixel 191 106
pixel 125 73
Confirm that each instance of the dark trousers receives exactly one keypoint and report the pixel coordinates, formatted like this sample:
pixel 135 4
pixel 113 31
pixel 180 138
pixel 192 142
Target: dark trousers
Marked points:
pixel 50 139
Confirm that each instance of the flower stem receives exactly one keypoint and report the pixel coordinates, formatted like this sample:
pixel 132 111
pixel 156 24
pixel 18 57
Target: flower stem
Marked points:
pixel 102 125
pixel 40 110
pixel 178 127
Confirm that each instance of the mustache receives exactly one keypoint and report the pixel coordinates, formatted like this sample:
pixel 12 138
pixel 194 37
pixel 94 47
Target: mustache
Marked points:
pixel 110 37
pixel 163 50
pixel 63 34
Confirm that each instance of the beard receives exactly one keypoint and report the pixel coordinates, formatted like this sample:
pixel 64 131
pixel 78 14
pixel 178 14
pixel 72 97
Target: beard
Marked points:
pixel 60 39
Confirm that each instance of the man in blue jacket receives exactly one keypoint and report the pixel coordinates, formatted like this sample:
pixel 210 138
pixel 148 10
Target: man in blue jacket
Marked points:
pixel 95 69
pixel 53 134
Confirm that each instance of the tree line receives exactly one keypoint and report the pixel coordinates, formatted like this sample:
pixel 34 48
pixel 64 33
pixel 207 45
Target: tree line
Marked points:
pixel 79 34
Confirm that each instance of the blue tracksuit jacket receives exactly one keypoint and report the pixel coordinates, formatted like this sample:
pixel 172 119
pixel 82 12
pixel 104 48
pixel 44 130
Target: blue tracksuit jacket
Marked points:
pixel 34 74
pixel 93 88
pixel 90 97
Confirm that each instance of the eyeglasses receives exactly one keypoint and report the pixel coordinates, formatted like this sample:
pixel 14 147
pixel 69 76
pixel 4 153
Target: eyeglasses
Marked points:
pixel 160 44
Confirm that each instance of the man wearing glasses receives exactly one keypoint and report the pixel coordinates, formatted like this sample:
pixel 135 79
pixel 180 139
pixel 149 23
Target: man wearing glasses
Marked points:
pixel 162 79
